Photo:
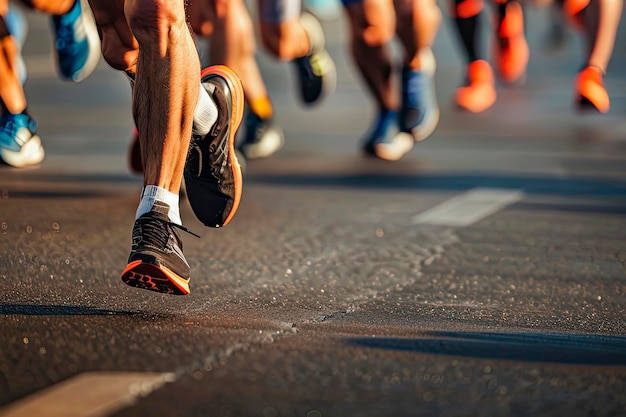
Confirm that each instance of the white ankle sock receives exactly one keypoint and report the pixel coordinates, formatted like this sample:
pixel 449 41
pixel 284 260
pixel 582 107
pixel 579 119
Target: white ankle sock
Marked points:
pixel 151 194
pixel 205 114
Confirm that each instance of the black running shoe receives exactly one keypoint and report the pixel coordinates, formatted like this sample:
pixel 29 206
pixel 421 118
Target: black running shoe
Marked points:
pixel 262 138
pixel 156 260
pixel 212 172
pixel 317 75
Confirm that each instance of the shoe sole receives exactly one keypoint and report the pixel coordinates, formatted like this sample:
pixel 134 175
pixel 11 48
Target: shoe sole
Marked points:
pixel 426 129
pixel 236 94
pixel 32 153
pixel 147 276
pixel 404 143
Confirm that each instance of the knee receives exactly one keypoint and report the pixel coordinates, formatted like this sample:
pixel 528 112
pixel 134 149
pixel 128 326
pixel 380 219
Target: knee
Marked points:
pixel 118 55
pixel 372 24
pixel 119 48
pixel 151 20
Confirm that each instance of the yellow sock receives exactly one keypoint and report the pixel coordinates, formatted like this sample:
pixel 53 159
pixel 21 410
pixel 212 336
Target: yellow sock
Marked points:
pixel 262 107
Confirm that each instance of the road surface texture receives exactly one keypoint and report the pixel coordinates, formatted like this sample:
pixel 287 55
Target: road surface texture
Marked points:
pixel 482 275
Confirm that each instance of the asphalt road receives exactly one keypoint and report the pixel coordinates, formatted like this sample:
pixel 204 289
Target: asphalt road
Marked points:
pixel 345 286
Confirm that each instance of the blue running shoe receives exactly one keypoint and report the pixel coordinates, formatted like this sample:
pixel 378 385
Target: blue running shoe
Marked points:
pixel 419 114
pixel 385 142
pixel 77 43
pixel 19 144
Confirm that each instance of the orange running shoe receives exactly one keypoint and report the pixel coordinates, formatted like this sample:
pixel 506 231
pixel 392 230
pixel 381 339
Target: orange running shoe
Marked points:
pixel 479 93
pixel 512 51
pixel 590 93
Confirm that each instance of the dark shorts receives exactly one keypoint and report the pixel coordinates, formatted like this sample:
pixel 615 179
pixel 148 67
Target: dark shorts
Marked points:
pixel 277 11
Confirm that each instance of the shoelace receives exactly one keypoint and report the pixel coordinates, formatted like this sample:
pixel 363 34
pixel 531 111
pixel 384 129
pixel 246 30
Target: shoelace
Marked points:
pixel 218 155
pixel 153 228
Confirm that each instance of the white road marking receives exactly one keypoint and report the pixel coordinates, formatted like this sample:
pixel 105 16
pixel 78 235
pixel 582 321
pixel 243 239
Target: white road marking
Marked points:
pixel 93 394
pixel 469 207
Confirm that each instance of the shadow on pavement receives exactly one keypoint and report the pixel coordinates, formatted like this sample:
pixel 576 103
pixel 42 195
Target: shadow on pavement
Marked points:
pixel 52 310
pixel 529 347
pixel 75 178
pixel 571 186
pixel 54 194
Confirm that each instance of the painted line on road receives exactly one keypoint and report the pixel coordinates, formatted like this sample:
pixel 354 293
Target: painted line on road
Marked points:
pixel 92 394
pixel 469 207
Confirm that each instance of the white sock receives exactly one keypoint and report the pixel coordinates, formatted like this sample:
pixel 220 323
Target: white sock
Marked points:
pixel 205 114
pixel 151 194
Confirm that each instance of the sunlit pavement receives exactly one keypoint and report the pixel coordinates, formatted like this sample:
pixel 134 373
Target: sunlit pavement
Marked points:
pixel 482 275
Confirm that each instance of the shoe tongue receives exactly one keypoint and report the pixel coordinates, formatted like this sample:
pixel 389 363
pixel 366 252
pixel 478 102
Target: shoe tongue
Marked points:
pixel 160 211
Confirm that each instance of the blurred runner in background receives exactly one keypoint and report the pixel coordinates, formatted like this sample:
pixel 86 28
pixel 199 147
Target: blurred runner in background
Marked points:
pixel 598 20
pixel 76 53
pixel 511 52
pixel 412 113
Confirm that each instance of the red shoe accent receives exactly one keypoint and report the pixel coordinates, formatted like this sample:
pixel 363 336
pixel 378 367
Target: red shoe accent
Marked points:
pixel 590 93
pixel 468 8
pixel 480 93
pixel 512 51
pixel 572 9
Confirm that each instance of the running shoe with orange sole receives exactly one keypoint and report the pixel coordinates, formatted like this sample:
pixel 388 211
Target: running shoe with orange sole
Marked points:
pixel 512 51
pixel 479 93
pixel 590 93
pixel 214 185
pixel 156 261
pixel 212 173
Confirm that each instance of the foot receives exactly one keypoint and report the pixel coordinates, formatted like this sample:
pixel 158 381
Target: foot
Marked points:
pixel 512 51
pixel 156 260
pixel 479 93
pixel 262 138
pixel 384 141
pixel 77 43
pixel 317 75
pixel 419 113
pixel 590 93
pixel 19 144
pixel 212 172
